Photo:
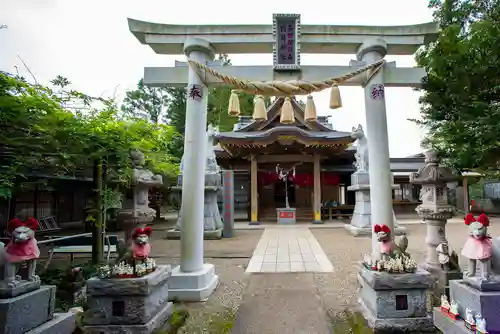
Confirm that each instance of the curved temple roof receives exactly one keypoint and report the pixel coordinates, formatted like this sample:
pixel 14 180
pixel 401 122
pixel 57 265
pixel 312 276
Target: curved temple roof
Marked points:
pixel 271 130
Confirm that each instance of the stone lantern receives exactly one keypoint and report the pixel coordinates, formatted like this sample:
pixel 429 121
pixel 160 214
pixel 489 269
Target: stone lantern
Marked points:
pixel 434 210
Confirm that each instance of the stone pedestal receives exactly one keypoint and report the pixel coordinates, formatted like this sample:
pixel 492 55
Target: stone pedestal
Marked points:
pixel 361 224
pixel 192 286
pixel 128 305
pixel 478 295
pixel 396 302
pixel 212 222
pixel 33 312
pixel 286 216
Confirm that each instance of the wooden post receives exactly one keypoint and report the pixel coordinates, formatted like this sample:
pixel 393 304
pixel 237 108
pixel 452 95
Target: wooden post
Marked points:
pixel 317 190
pixel 465 186
pixel 97 237
pixel 254 204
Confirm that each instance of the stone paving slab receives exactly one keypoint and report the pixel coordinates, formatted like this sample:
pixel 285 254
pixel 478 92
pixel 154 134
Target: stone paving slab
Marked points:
pixel 281 303
pixel 293 249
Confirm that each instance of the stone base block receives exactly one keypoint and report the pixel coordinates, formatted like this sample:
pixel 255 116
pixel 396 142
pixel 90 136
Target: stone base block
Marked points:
pixel 492 284
pixel 127 301
pixel 175 234
pixel 318 222
pixel 447 325
pixel 367 231
pixel 23 313
pixel 397 325
pixel 395 302
pixel 155 323
pixel 485 302
pixel 358 231
pixel 61 323
pixel 192 287
pixel 21 287
pixel 254 223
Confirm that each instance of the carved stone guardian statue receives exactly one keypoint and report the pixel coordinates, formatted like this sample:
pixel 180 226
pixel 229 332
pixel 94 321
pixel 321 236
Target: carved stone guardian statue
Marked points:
pixel 361 155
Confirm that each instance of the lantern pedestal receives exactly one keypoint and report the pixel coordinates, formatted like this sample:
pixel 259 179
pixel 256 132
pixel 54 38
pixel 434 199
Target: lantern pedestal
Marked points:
pixel 361 224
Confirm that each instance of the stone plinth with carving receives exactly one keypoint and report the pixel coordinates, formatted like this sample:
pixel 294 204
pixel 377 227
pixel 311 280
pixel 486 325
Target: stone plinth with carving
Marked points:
pixel 434 210
pixel 128 305
pixel 212 222
pixel 138 211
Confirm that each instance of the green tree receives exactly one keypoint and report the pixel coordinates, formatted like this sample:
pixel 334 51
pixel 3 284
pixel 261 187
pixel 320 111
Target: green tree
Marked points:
pixel 146 102
pixel 461 94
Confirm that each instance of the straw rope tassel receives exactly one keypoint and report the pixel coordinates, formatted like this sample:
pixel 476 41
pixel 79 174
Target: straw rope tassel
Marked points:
pixel 234 104
pixel 310 112
pixel 259 109
pixel 335 99
pixel 287 114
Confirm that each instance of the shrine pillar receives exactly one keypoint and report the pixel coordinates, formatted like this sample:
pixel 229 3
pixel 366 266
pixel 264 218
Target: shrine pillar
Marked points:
pixel 317 190
pixel 194 280
pixel 254 200
pixel 378 142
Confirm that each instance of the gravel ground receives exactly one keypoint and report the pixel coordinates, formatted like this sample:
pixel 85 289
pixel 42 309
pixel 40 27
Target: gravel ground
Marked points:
pixel 339 289
pixel 230 257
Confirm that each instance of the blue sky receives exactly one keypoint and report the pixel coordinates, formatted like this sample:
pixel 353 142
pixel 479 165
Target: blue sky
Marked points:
pixel 89 43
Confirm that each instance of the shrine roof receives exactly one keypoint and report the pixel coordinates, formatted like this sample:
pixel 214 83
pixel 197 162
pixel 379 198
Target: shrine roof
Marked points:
pixel 319 129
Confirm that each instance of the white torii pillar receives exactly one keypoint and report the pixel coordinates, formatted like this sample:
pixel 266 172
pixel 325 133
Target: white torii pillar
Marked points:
pixel 378 140
pixel 194 280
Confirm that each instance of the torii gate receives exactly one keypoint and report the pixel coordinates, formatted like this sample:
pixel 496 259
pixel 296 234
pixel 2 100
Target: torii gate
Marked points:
pixel 286 38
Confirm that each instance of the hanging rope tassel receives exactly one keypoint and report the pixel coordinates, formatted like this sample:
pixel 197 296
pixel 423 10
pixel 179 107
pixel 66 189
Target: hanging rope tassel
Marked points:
pixel 310 112
pixel 259 109
pixel 234 104
pixel 287 114
pixel 335 99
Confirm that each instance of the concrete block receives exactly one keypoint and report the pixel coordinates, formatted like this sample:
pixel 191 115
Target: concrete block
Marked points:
pixel 61 323
pixel 175 234
pixel 158 321
pixel 358 231
pixel 447 325
pixel 485 302
pixel 194 286
pixel 123 305
pixel 360 178
pixel 7 291
pixel 492 284
pixel 133 286
pixel 395 302
pixel 25 312
pixel 397 325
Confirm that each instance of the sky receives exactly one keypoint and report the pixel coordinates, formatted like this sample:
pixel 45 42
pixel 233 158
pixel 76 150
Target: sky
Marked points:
pixel 89 43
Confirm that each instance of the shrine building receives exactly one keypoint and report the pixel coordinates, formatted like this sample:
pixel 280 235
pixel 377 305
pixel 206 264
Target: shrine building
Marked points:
pixel 320 160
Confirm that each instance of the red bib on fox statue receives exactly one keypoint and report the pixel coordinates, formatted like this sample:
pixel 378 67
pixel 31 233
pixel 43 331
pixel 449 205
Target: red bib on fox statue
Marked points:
pixel 23 245
pixel 140 243
pixel 478 245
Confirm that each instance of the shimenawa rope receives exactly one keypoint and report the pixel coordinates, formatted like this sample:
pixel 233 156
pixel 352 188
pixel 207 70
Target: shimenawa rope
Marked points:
pixel 284 88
